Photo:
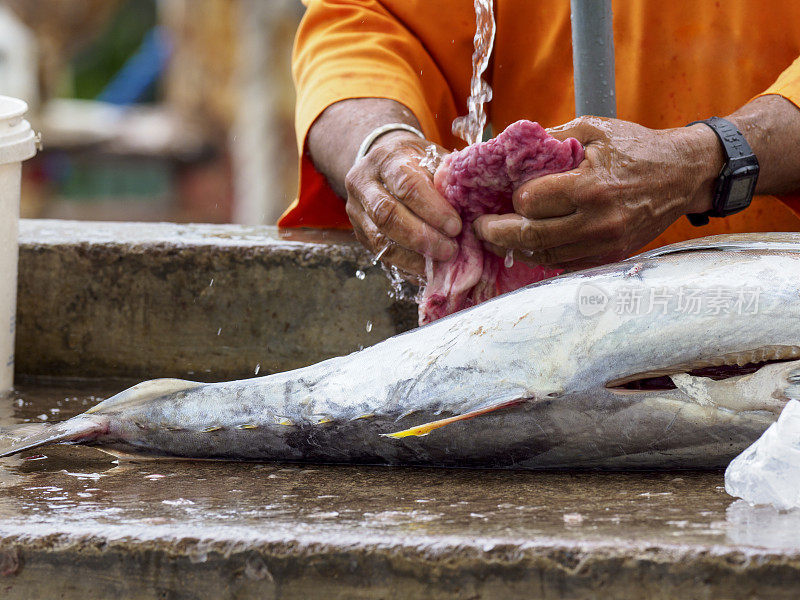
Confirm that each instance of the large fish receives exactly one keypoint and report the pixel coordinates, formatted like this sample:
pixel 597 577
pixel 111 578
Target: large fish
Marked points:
pixel 680 357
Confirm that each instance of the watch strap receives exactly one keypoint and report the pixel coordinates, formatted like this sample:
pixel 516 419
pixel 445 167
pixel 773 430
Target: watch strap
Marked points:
pixel 734 146
pixel 732 140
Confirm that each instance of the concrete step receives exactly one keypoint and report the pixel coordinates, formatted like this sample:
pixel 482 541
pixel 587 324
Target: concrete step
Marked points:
pixel 206 302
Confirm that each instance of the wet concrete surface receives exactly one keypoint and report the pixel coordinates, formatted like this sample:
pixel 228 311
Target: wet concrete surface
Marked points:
pixel 75 523
pixel 203 302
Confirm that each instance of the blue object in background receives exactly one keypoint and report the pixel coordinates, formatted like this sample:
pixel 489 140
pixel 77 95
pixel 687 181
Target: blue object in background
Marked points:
pixel 141 70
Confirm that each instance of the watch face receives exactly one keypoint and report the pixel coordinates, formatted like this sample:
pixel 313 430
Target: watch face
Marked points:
pixel 741 192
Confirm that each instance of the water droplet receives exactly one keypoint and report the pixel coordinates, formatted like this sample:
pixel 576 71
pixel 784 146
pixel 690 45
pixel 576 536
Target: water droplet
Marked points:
pixel 379 255
pixel 396 283
pixel 212 282
pixel 369 326
pixel 431 160
pixel 258 368
pixel 178 502
pixel 509 260
pixel 360 274
pixel 219 331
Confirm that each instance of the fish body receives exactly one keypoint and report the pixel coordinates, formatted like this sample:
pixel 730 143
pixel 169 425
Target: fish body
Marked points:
pixel 568 372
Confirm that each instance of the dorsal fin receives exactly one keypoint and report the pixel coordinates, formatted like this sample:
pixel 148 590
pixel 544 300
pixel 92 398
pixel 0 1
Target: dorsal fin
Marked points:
pixel 773 241
pixel 144 392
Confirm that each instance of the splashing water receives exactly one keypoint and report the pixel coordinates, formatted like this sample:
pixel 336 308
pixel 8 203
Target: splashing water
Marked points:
pixel 397 283
pixel 470 127
pixel 399 288
pixel 376 259
pixel 431 159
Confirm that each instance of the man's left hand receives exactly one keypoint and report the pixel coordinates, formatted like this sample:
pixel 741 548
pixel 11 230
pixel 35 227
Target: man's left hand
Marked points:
pixel 632 185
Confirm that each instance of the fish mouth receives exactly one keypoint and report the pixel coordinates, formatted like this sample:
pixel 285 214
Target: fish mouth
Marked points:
pixel 719 367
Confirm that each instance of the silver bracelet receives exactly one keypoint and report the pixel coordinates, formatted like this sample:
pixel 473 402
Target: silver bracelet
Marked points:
pixel 379 131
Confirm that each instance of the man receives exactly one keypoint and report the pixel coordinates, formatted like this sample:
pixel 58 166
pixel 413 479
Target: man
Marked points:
pixel 362 64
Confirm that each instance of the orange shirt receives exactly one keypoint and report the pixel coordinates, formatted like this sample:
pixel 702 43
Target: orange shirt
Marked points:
pixel 676 62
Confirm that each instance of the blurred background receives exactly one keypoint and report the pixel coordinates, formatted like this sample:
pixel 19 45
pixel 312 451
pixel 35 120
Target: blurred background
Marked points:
pixel 155 110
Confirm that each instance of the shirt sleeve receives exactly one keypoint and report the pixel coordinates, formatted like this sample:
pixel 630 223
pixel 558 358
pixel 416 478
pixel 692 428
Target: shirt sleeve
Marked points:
pixel 788 86
pixel 354 49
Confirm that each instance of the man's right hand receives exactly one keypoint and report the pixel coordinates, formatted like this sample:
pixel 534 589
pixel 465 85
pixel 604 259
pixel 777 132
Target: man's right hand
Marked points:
pixel 391 200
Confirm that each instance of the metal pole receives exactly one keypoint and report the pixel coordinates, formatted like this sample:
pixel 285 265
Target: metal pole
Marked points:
pixel 593 58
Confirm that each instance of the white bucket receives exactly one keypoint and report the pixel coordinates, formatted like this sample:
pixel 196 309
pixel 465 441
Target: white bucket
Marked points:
pixel 17 142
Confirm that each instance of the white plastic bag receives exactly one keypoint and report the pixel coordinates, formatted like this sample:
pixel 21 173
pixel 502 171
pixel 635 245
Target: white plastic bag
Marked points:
pixel 768 472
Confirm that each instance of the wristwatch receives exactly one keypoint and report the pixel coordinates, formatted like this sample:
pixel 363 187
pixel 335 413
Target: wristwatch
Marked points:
pixel 737 179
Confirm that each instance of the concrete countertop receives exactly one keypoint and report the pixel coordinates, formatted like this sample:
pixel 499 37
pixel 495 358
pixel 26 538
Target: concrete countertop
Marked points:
pixel 76 523
pixel 216 302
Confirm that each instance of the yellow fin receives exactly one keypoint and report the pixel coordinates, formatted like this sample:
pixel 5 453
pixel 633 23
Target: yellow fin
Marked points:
pixel 426 428
pixel 364 416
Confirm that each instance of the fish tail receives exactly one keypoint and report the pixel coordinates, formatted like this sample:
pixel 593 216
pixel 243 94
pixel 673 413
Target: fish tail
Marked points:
pixel 82 428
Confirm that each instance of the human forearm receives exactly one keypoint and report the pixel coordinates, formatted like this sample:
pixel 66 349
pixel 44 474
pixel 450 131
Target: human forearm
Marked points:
pixel 335 136
pixel 771 125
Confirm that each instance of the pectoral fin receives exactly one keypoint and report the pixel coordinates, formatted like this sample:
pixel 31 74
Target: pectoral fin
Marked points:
pixel 426 428
pixel 17 438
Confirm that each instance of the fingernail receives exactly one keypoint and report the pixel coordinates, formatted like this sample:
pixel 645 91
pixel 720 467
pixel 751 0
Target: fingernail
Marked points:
pixel 446 250
pixel 452 227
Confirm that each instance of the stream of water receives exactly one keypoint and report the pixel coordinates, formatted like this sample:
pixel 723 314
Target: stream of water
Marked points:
pixel 470 127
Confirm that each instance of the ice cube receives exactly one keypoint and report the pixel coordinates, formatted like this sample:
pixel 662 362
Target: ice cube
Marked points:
pixel 768 472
